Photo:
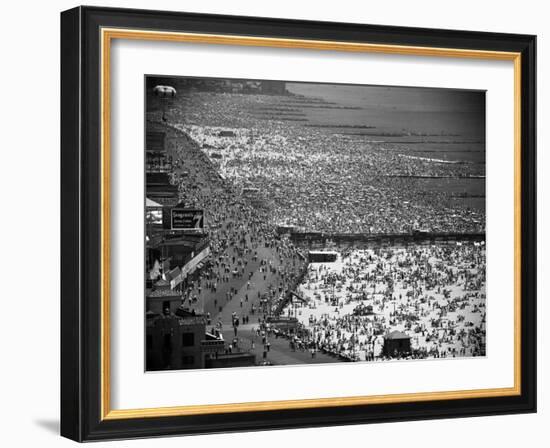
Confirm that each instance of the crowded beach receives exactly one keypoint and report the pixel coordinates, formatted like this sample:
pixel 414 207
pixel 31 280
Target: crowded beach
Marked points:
pixel 253 175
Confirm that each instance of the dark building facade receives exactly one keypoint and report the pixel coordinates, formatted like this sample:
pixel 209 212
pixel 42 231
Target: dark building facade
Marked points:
pixel 174 342
pixel 163 298
pixel 176 337
pixel 160 189
pixel 397 344
pixel 157 159
pixel 322 256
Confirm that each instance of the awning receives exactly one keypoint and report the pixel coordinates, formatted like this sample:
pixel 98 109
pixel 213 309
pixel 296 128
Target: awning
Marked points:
pixel 174 277
pixel 151 203
pixel 194 262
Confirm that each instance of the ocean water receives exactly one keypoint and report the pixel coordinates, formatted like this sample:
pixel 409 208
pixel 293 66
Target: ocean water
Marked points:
pixel 443 125
pixel 433 123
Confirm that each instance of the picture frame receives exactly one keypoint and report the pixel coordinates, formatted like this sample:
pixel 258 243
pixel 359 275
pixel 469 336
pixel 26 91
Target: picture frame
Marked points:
pixel 87 34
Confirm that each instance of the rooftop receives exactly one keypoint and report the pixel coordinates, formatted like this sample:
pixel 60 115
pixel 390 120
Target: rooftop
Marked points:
pixel 397 335
pixel 163 293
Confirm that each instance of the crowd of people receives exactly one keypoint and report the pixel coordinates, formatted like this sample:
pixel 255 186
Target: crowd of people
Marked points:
pixel 325 182
pixel 251 175
pixel 434 293
pixel 240 238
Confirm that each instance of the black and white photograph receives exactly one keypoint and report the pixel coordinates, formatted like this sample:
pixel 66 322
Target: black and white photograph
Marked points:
pixel 275 224
pixel 298 223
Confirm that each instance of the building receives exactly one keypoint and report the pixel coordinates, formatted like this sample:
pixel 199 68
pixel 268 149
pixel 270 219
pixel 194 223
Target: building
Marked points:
pixel 162 298
pixel 212 345
pixel 397 344
pixel 179 341
pixel 157 159
pixel 172 254
pixel 176 337
pixel 322 256
pixel 174 340
pixel 185 249
pixel 160 189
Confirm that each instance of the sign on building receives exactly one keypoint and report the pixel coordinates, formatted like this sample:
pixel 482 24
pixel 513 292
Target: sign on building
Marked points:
pixel 187 219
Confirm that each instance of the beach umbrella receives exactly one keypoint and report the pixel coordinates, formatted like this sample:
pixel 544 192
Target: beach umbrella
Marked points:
pixel 166 94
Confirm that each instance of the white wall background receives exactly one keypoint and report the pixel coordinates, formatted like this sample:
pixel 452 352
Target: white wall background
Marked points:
pixel 29 180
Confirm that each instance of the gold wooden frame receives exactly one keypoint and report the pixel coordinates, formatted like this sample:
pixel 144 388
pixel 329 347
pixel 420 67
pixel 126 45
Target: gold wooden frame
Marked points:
pixel 107 35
